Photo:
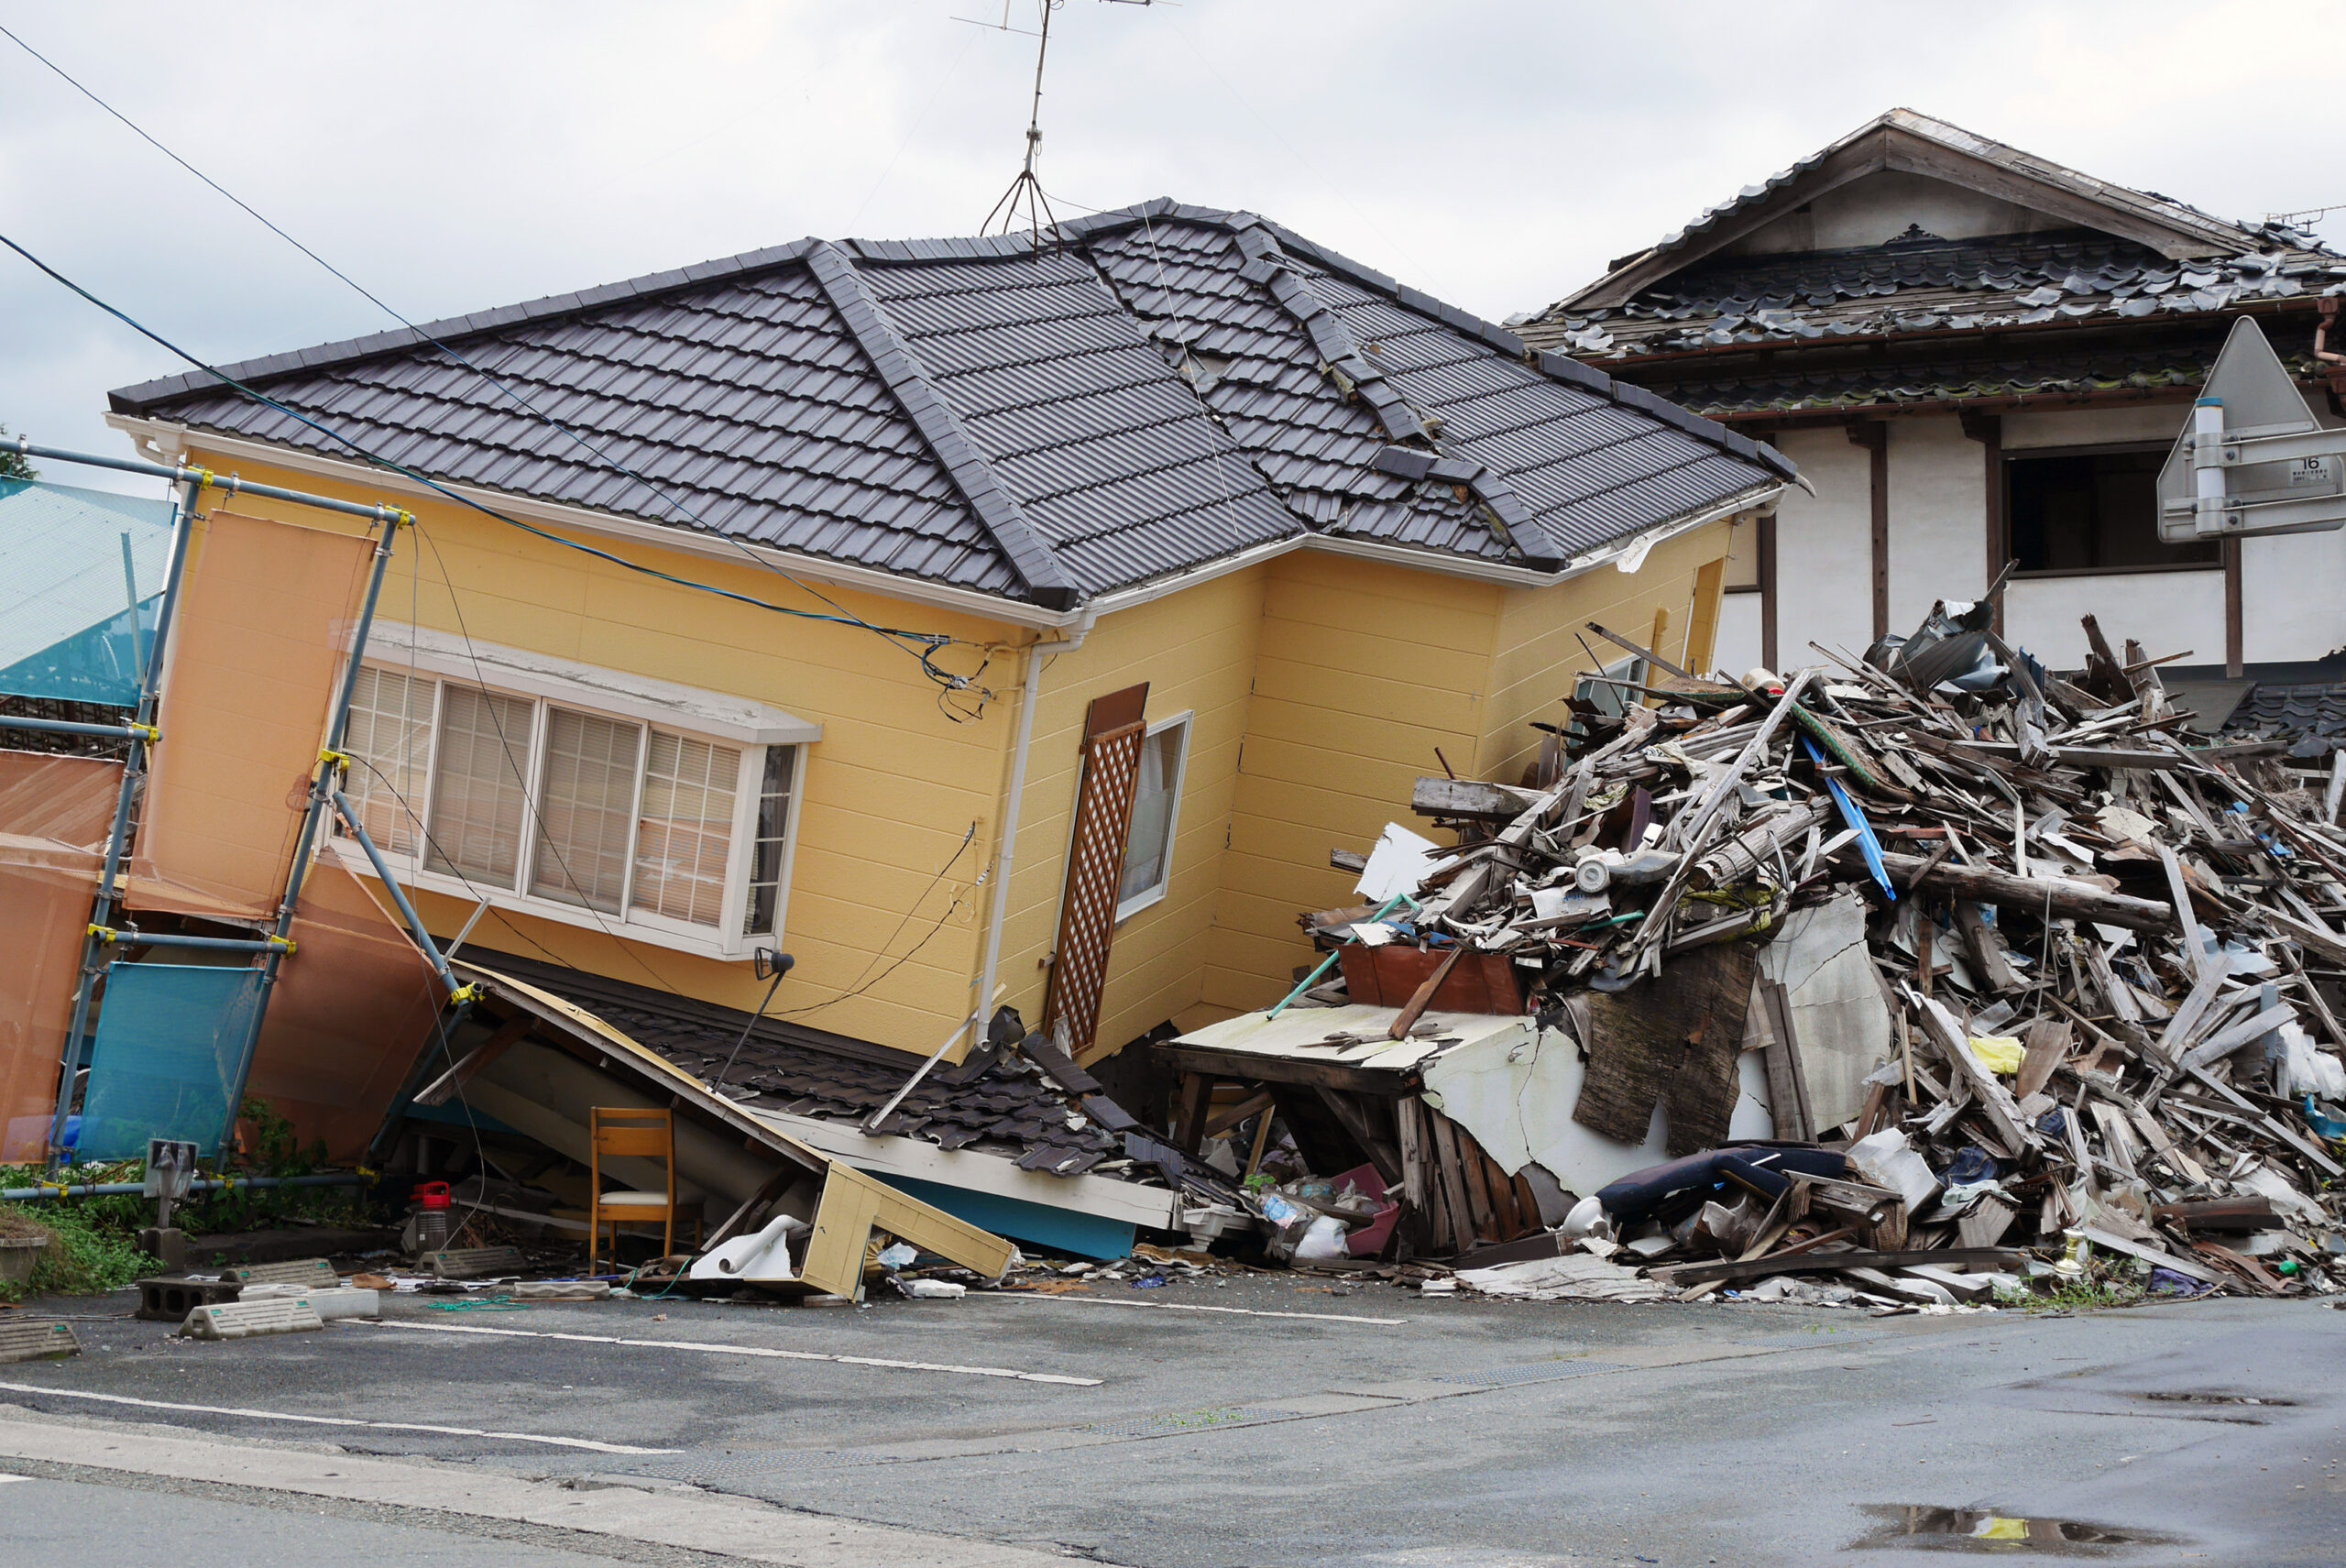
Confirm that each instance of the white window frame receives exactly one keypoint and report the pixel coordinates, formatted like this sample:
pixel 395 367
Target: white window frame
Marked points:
pixel 1127 908
pixel 749 728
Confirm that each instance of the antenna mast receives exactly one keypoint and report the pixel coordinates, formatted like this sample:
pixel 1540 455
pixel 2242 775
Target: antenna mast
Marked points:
pixel 1026 185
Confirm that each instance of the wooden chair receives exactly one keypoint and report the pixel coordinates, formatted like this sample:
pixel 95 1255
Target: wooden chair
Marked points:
pixel 622 1132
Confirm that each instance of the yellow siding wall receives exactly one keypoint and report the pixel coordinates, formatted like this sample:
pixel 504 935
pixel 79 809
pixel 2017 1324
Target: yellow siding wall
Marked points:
pixel 1320 685
pixel 1540 651
pixel 887 793
pixel 1366 668
pixel 1197 651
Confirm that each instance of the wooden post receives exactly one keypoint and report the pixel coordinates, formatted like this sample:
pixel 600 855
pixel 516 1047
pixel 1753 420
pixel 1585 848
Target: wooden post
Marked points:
pixel 1873 434
pixel 1767 550
pixel 2235 633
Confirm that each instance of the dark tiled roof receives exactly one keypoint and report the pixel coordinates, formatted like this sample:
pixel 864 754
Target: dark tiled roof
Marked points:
pixel 1009 1109
pixel 2312 718
pixel 1167 386
pixel 1790 387
pixel 1691 319
pixel 1920 283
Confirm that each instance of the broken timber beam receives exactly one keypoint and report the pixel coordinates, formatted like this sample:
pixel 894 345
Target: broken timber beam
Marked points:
pixel 2036 895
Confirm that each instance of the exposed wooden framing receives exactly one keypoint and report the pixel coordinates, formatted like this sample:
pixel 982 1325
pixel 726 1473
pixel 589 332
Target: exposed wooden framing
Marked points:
pixel 1252 1069
pixel 1454 1199
pixel 1221 1122
pixel 1874 436
pixel 2235 631
pixel 1188 1122
pixel 1766 545
pixel 1356 1115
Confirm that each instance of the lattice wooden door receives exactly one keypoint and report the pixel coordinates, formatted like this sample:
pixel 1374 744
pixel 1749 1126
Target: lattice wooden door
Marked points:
pixel 1113 729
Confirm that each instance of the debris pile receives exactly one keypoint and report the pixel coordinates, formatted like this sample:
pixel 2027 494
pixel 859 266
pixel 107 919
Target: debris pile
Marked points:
pixel 2029 986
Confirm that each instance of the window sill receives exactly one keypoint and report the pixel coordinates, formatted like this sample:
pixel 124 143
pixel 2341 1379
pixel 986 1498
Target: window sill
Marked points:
pixel 2055 575
pixel 711 946
pixel 1140 903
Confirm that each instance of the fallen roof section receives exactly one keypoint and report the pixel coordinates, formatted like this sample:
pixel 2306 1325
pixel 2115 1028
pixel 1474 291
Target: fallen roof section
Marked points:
pixel 539 1063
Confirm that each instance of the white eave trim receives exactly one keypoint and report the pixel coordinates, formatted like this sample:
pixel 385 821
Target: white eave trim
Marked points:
pixel 173 441
pixel 397 646
pixel 1102 1197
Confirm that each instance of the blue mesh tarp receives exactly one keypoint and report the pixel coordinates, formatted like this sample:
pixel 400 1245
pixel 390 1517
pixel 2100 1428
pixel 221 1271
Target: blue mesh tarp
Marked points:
pixel 67 590
pixel 170 1040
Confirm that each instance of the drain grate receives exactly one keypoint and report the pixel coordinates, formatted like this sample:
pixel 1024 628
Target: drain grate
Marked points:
pixel 1187 1422
pixel 1538 1372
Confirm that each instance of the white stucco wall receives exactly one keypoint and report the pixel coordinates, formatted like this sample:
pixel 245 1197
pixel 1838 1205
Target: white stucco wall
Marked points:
pixel 1739 636
pixel 2167 612
pixel 1824 550
pixel 2291 597
pixel 1938 516
pixel 2293 587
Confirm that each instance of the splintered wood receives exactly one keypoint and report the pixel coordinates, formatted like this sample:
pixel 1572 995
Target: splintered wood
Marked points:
pixel 2106 954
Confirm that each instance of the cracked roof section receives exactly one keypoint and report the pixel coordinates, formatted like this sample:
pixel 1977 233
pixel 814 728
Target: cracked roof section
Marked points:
pixel 1162 389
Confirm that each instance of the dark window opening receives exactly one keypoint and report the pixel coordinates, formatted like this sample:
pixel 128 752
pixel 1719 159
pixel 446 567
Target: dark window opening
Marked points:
pixel 2092 511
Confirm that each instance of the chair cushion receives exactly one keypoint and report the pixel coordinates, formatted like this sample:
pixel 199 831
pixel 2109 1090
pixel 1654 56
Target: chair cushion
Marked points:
pixel 633 1200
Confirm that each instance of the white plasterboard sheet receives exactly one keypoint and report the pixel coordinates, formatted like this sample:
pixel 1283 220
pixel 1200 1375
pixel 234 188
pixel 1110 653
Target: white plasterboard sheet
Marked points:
pixel 1820 958
pixel 1516 1096
pixel 1302 1033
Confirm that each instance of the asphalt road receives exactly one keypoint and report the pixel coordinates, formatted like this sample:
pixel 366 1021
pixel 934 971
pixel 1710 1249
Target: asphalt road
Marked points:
pixel 1306 1427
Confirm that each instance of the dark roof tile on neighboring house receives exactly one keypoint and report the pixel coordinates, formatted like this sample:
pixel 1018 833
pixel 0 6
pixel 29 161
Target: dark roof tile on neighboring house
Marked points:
pixel 1155 391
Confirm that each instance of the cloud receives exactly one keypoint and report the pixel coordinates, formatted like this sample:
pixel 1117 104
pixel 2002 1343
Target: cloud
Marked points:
pixel 453 157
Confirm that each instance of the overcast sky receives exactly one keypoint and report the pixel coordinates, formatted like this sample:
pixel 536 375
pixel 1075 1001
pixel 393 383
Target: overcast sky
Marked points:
pixel 455 157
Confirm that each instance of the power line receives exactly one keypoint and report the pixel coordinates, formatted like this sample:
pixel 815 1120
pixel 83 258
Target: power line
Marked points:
pixel 934 641
pixel 923 645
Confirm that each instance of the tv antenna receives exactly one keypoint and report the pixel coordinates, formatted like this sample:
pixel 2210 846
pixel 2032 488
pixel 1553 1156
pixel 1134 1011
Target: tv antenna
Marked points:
pixel 1028 187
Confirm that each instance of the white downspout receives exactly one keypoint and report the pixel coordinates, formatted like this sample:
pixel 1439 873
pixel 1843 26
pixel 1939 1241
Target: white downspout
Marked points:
pixel 1030 695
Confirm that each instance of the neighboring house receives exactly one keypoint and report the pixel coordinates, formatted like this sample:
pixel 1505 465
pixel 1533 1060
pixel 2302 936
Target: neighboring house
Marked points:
pixel 1247 525
pixel 1979 359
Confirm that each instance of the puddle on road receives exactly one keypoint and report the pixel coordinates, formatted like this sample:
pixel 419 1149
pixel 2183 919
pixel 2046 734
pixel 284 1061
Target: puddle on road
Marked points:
pixel 1918 1525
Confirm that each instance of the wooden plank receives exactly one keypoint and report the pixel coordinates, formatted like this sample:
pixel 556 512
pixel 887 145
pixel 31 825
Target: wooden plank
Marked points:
pixel 2002 1111
pixel 1196 1094
pixel 2047 1046
pixel 1249 1066
pixel 1827 1262
pixel 1453 1227
pixel 1411 1135
pixel 1222 1121
pixel 1986 948
pixel 1470 800
pixel 2036 896
pixel 1464 1227
pixel 1354 1117
pixel 442 1089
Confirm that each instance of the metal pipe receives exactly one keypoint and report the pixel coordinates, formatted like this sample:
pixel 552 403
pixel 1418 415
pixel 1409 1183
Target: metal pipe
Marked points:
pixel 134 770
pixel 139 1189
pixel 128 939
pixel 322 789
pixel 1030 695
pixel 398 896
pixel 203 479
pixel 68 727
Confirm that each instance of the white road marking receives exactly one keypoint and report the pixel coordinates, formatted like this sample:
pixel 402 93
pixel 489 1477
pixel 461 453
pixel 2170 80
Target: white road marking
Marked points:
pixel 734 1528
pixel 6 1479
pixel 707 1348
pixel 587 1443
pixel 1193 1307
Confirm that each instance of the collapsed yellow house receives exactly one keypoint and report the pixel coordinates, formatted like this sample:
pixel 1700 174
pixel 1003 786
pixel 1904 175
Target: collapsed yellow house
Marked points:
pixel 981 626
